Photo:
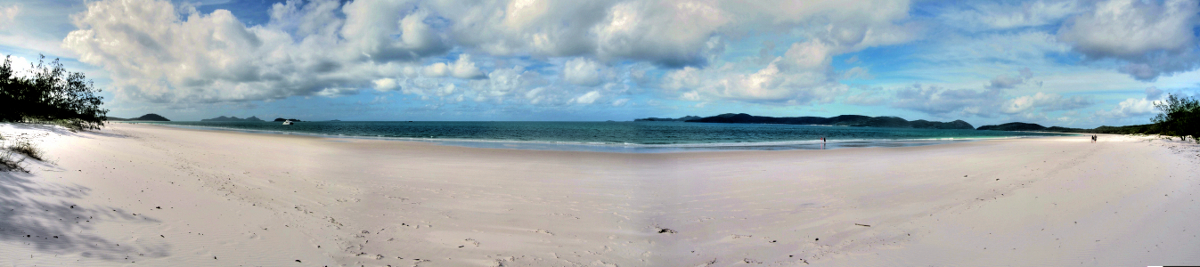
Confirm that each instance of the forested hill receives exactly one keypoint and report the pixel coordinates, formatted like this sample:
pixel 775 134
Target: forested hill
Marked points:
pixel 843 120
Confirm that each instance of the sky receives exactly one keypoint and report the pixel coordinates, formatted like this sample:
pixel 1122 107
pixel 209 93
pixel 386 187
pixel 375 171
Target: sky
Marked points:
pixel 1067 63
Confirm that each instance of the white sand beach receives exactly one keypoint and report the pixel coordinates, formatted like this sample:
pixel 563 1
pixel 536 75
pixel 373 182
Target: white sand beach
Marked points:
pixel 158 196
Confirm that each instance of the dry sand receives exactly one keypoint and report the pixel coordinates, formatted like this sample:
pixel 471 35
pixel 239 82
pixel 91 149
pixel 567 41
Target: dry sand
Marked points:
pixel 158 196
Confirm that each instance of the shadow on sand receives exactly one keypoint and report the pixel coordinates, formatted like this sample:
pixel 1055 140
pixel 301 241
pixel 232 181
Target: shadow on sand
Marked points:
pixel 59 130
pixel 44 216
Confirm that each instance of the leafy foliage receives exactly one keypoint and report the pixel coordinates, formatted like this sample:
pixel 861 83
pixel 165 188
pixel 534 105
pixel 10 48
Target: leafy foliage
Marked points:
pixel 1180 117
pixel 50 94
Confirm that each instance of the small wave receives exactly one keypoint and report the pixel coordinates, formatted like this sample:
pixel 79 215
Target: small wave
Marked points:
pixel 621 146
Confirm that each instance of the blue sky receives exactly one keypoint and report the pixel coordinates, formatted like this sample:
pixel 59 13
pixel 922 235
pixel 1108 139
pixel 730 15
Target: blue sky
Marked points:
pixel 1067 63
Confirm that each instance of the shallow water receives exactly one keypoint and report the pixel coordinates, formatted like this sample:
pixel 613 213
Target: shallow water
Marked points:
pixel 631 137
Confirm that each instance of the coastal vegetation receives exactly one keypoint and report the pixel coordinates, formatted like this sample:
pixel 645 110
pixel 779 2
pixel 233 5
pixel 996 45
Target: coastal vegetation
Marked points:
pixel 49 93
pixel 1180 117
pixel 11 147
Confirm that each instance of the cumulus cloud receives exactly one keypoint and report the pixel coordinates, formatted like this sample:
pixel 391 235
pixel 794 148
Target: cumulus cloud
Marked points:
pixel 1009 82
pixel 155 55
pixel 385 84
pixel 371 30
pixel 1130 107
pixel 582 71
pixel 1044 102
pixel 668 33
pixel 462 68
pixel 1153 38
pixel 159 52
pixel 942 102
pixel 803 75
pixel 587 98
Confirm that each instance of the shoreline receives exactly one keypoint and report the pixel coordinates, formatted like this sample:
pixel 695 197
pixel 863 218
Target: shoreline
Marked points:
pixel 171 196
pixel 632 148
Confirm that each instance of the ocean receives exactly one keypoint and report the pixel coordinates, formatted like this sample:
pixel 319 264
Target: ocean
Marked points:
pixel 627 137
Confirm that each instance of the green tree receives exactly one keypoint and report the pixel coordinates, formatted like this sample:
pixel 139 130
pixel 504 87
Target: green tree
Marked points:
pixel 49 93
pixel 1180 117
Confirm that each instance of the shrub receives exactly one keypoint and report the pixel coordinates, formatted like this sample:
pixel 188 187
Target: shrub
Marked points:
pixel 8 163
pixel 1180 117
pixel 24 147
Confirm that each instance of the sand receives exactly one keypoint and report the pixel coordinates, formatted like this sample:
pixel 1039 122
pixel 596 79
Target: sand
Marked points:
pixel 159 196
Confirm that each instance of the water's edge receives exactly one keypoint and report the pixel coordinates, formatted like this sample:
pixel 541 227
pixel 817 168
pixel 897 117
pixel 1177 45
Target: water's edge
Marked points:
pixel 625 147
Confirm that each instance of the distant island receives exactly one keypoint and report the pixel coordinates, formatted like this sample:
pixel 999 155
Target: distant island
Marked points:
pixel 897 122
pixel 282 120
pixel 680 119
pixel 1033 127
pixel 234 118
pixel 843 120
pixel 147 117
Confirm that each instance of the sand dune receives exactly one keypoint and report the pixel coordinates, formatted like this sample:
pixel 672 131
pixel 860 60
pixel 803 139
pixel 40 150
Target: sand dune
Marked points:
pixel 157 196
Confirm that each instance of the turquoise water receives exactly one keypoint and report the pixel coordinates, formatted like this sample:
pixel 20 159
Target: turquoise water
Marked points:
pixel 635 137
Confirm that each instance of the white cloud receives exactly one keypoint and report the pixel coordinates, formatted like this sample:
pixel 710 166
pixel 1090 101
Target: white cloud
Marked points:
pixel 385 84
pixel 582 71
pixel 1154 39
pixel 859 73
pixel 163 53
pixel 371 27
pixel 1008 82
pixel 687 77
pixel 8 15
pixel 155 55
pixel 620 102
pixel 1130 108
pixel 801 76
pixel 668 32
pixel 462 68
pixel 941 102
pixel 1044 102
pixel 465 69
pixel 587 98
pixel 436 70
pixel 982 16
pixel 20 66
pixel 337 91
